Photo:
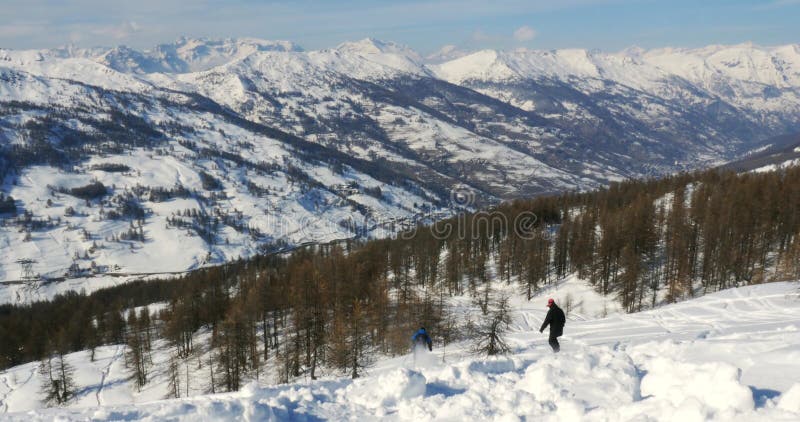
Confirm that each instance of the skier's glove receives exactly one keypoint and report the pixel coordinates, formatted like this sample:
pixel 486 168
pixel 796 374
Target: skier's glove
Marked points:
pixel 541 331
pixel 430 348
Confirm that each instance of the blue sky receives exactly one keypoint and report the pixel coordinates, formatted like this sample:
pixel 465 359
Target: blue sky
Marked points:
pixel 608 25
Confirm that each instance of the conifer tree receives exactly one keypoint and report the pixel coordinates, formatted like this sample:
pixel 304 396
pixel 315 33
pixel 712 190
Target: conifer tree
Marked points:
pixel 57 383
pixel 490 333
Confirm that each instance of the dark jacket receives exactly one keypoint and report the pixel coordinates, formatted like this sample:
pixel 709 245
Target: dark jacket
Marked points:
pixel 555 319
pixel 421 337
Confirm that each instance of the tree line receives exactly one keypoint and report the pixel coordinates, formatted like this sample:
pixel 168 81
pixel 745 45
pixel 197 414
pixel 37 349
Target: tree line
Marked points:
pixel 336 307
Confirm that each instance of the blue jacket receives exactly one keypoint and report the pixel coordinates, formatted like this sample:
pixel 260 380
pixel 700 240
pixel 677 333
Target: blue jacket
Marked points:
pixel 421 336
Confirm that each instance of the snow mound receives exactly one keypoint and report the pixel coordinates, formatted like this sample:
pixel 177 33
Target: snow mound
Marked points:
pixel 387 390
pixel 790 400
pixel 588 378
pixel 697 391
pixel 564 387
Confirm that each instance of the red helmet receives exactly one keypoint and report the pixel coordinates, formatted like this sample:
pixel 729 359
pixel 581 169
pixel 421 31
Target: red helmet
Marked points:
pixel 550 302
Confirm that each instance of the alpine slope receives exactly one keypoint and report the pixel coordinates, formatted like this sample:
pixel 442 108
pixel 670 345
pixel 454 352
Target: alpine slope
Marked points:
pixel 727 356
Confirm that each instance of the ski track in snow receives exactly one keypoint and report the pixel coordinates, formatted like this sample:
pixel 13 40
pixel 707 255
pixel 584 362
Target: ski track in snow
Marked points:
pixel 687 318
pixel 12 389
pixel 104 374
pixel 6 394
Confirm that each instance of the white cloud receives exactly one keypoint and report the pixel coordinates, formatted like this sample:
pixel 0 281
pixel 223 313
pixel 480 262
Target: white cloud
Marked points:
pixel 109 34
pixel 524 33
pixel 119 32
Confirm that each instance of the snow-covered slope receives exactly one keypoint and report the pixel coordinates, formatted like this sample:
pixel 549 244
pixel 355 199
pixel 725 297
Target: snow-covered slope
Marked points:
pixel 779 152
pixel 761 84
pixel 747 63
pixel 727 356
pixel 726 71
pixel 263 137
pixel 184 55
pixel 202 186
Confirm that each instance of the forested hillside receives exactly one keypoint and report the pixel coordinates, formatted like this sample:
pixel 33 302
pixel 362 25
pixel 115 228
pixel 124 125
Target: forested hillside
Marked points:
pixel 338 306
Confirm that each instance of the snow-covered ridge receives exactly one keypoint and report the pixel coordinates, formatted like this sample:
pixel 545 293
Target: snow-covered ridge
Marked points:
pixel 728 356
pixel 747 76
pixel 375 46
pixel 190 55
pixel 776 66
pixel 182 56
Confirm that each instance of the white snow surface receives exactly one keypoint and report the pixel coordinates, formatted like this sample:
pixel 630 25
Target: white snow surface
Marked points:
pixel 738 73
pixel 778 166
pixel 285 213
pixel 728 356
pixel 778 66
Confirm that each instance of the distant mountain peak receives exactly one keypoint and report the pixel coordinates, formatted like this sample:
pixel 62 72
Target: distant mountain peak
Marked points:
pixel 446 53
pixel 375 46
pixel 189 54
pixel 257 43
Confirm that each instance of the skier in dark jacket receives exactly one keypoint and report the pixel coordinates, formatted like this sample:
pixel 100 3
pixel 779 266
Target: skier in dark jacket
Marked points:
pixel 555 319
pixel 421 337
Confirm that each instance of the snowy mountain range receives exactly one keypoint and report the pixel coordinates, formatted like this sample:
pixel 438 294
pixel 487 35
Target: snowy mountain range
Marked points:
pixel 200 151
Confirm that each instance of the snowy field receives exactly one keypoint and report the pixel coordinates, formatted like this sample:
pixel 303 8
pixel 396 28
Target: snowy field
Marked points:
pixel 728 356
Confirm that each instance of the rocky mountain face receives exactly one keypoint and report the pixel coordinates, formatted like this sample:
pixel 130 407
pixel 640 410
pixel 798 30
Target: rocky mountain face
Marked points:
pixel 201 151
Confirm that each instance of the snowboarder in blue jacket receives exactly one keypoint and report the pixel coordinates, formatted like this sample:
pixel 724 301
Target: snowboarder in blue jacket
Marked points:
pixel 421 337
